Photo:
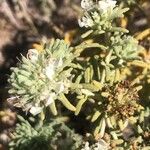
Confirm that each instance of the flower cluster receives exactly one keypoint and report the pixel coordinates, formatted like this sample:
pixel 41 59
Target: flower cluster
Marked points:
pixel 87 4
pixel 42 77
pixel 102 7
pixel 100 145
pixel 106 5
pixel 99 16
pixel 122 100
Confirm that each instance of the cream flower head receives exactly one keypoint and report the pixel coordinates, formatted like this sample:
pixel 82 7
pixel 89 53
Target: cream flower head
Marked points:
pixel 87 4
pixel 105 5
pixel 32 55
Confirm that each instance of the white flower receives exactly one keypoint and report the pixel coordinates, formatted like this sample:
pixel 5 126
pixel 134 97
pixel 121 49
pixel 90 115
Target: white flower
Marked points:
pixel 101 145
pixel 81 23
pixel 87 4
pixel 60 87
pixel 86 146
pixel 121 61
pixel 50 71
pixel 85 22
pixel 44 95
pixel 50 99
pixel 32 54
pixel 58 63
pixel 105 5
pixel 34 110
pixel 52 66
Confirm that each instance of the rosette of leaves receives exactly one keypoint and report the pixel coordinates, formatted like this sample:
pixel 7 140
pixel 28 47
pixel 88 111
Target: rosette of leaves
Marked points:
pixel 110 65
pixel 99 16
pixel 43 77
pixel 125 47
pixel 51 136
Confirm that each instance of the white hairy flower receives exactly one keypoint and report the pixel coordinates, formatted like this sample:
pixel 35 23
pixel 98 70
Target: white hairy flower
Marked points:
pixel 105 5
pixel 86 146
pixel 87 4
pixel 50 71
pixel 81 23
pixel 85 22
pixel 32 55
pixel 47 97
pixel 34 110
pixel 58 63
pixel 60 87
pixel 50 99
pixel 101 145
pixel 51 67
